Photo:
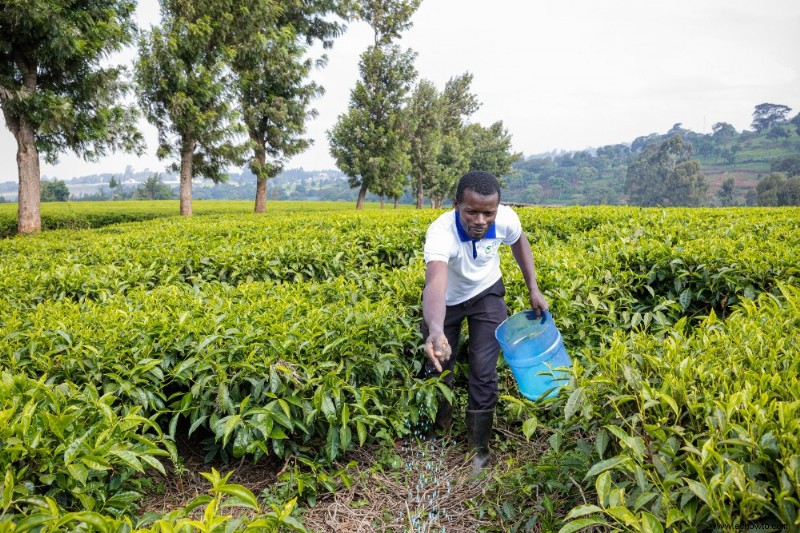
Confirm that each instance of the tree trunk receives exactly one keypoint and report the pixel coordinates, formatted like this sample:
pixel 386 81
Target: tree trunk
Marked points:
pixel 186 177
pixel 381 201
pixel 261 197
pixel 420 195
pixel 29 218
pixel 396 201
pixel 362 194
pixel 261 184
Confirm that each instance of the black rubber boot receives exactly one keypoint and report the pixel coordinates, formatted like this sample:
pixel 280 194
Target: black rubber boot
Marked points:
pixel 479 432
pixel 444 419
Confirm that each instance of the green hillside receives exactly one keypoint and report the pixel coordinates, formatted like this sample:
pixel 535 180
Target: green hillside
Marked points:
pixel 597 176
pixel 753 161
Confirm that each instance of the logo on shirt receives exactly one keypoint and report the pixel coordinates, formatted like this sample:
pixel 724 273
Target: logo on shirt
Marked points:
pixel 492 247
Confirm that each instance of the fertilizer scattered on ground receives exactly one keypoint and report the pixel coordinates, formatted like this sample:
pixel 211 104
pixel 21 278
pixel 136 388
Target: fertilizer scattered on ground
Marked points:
pixel 424 510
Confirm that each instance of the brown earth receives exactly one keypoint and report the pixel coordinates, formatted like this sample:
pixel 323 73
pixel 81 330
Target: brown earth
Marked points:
pixel 415 486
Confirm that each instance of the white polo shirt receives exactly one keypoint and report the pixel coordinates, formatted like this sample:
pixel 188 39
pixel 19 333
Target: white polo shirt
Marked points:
pixel 473 265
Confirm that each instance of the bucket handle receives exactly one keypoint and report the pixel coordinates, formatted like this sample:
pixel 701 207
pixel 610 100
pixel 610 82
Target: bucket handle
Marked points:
pixel 531 315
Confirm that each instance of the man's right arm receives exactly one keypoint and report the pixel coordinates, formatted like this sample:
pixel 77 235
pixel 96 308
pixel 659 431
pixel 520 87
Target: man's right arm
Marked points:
pixel 437 349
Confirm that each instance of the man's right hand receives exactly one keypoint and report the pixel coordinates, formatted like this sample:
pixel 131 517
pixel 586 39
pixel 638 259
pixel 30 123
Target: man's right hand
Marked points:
pixel 438 350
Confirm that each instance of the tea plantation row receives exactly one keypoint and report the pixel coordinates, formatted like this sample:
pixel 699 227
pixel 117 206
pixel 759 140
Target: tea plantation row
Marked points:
pixel 296 335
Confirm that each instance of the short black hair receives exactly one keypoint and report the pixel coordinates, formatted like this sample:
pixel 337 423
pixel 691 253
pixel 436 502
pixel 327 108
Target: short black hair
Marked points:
pixel 480 181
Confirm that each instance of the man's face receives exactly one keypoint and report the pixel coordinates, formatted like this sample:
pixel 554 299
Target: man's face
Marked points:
pixel 477 212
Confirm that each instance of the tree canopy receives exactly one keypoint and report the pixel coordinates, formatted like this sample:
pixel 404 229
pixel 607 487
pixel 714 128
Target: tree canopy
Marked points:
pixel 490 149
pixel 425 117
pixel 438 136
pixel 227 82
pixel 665 175
pixel 776 190
pixel 54 191
pixel 765 115
pixel 153 189
pixel 789 165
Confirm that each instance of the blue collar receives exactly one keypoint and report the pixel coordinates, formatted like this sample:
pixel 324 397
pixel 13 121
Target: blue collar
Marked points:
pixel 491 233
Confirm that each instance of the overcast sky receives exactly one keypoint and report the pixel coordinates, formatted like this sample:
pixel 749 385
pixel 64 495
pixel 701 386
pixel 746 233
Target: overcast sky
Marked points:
pixel 560 75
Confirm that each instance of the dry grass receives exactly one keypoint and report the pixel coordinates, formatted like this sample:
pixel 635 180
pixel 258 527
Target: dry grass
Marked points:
pixel 420 486
pixel 423 486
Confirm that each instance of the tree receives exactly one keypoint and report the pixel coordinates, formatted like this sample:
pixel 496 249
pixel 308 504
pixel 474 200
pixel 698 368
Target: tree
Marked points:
pixel 490 149
pixel 723 132
pixel 54 191
pixel 776 190
pixel 677 129
pixel 153 189
pixel 796 123
pixel 767 115
pixel 452 162
pixel 370 141
pixel 186 90
pixel 640 143
pixel 271 74
pixel 274 97
pixel 458 104
pixel 54 94
pixel 728 154
pixel 664 175
pixel 533 192
pixel 779 132
pixel 425 119
pixel 725 192
pixel 769 187
pixel 557 183
pixel 789 165
pixel 612 152
pixel 790 195
pixel 114 185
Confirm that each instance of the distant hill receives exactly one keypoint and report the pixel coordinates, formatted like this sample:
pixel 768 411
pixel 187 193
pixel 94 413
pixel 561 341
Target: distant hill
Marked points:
pixel 597 175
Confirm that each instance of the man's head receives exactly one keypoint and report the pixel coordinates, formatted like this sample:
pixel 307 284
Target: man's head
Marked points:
pixel 477 200
pixel 480 181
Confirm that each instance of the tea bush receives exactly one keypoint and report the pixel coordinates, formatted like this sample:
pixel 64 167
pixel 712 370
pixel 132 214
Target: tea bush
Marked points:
pixel 692 431
pixel 296 335
pixel 70 444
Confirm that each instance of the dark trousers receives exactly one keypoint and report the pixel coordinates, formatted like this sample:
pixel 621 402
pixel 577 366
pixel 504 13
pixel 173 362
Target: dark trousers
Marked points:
pixel 484 313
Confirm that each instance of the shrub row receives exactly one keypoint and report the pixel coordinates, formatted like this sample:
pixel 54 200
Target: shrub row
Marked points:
pixel 694 431
pixel 85 215
pixel 97 264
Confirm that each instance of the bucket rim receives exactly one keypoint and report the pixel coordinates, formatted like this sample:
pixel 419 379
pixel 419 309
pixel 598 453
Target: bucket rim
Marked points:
pixel 530 314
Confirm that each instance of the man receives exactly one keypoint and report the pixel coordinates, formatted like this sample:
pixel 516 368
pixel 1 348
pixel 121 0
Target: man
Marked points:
pixel 463 280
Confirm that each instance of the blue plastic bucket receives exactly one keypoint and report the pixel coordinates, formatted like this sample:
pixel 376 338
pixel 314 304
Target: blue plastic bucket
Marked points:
pixel 533 349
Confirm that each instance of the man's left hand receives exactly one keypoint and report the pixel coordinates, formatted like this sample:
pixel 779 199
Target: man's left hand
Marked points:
pixel 538 303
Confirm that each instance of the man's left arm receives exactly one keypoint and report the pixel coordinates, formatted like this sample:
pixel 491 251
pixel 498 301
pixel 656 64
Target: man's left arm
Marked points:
pixel 524 258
